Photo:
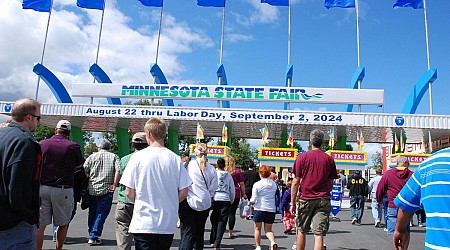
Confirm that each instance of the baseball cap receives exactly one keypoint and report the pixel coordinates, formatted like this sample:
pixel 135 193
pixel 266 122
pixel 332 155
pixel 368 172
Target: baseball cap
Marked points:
pixel 358 172
pixel 139 137
pixel 64 125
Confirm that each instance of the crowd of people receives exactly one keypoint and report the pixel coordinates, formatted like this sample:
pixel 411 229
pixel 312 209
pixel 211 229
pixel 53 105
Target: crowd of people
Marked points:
pixel 158 191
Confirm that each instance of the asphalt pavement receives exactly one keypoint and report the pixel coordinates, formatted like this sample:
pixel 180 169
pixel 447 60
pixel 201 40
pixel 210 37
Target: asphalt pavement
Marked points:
pixel 341 236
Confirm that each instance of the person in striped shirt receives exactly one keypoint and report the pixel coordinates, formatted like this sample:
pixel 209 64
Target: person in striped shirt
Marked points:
pixel 428 188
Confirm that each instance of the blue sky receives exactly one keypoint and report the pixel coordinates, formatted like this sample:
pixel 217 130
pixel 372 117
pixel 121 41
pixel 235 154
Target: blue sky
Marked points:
pixel 324 54
pixel 255 52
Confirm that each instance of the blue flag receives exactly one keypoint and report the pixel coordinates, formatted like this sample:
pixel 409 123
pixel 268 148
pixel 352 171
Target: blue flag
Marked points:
pixel 91 4
pixel 37 5
pixel 211 3
pixel 276 2
pixel 339 3
pixel 154 3
pixel 415 4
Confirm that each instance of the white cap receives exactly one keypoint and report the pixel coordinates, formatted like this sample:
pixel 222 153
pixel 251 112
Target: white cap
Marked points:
pixel 64 125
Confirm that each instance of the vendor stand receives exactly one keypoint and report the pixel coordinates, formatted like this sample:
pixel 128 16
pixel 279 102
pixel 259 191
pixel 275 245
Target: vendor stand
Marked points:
pixel 214 152
pixel 414 160
pixel 345 160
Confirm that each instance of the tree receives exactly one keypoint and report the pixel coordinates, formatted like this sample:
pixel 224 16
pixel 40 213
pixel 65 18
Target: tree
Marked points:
pixel 111 137
pixel 242 152
pixel 43 132
pixel 377 160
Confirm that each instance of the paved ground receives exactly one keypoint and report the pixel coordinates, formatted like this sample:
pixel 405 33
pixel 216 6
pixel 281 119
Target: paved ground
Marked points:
pixel 342 235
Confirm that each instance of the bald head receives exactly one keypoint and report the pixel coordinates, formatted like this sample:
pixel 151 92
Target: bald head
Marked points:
pixel 27 113
pixel 23 107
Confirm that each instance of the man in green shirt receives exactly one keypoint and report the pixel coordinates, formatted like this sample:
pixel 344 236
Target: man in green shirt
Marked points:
pixel 124 208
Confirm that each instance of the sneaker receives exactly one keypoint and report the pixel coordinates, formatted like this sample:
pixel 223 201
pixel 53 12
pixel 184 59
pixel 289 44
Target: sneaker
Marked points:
pixel 358 224
pixel 385 229
pixel 421 225
pixel 353 221
pixel 94 242
pixel 258 248
pixel 377 224
pixel 411 224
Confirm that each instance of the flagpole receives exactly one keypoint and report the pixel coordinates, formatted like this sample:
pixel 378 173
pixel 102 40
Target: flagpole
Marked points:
pixel 221 48
pixel 358 44
pixel 159 36
pixel 428 53
pixel 99 39
pixel 43 49
pixel 289 80
pixel 157 46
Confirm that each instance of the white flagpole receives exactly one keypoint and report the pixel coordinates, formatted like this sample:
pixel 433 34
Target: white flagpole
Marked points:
pixel 358 44
pixel 99 39
pixel 157 45
pixel 289 83
pixel 221 48
pixel 159 35
pixel 428 53
pixel 43 49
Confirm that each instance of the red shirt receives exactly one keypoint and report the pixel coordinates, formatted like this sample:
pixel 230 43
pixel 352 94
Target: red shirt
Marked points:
pixel 315 169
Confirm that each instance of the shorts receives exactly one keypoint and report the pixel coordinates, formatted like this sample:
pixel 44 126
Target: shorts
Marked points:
pixel 57 203
pixel 315 211
pixel 391 220
pixel 263 216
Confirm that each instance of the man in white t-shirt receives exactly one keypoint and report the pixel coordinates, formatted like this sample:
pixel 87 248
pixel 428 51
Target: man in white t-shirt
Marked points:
pixel 156 181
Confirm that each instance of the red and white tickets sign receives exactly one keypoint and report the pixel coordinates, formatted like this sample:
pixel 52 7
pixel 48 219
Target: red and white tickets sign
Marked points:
pixel 414 159
pixel 277 154
pixel 348 156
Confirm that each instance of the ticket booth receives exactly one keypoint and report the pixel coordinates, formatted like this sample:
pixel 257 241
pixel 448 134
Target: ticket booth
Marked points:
pixel 214 152
pixel 280 158
pixel 349 161
pixel 414 160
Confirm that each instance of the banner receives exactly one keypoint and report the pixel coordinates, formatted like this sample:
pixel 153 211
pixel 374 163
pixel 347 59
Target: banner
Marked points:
pixel 91 4
pixel 276 2
pixel 152 3
pixel 224 115
pixel 37 5
pixel 211 3
pixel 232 93
pixel 339 3
pixel 336 194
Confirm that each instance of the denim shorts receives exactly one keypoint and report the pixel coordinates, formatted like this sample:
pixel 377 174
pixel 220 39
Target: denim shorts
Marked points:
pixel 263 216
pixel 392 220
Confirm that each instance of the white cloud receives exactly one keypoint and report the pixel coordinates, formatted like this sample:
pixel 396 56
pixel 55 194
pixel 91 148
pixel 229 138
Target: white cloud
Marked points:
pixel 125 53
pixel 234 37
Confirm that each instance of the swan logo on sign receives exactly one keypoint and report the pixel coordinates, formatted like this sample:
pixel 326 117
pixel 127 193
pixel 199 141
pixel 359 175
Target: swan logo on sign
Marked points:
pixel 399 120
pixel 8 107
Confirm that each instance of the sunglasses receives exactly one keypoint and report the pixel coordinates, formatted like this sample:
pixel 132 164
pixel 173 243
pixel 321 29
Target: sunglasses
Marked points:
pixel 38 117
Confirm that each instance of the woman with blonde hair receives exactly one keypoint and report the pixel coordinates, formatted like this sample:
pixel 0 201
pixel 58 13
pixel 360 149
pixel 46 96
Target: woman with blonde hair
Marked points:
pixel 239 189
pixel 194 210
pixel 263 199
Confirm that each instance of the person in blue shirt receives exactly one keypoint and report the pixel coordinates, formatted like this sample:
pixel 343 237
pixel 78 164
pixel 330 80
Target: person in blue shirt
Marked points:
pixel 428 188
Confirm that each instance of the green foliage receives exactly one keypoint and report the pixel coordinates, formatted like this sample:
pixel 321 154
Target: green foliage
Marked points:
pixel 377 160
pixel 43 132
pixel 111 137
pixel 242 152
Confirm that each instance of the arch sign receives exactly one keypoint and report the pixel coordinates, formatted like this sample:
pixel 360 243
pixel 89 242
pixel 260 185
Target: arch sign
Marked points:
pixel 232 93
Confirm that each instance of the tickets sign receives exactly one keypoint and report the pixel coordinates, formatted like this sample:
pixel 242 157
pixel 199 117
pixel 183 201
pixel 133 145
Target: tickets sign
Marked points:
pixel 277 154
pixel 213 151
pixel 345 157
pixel 414 159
